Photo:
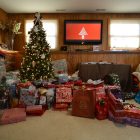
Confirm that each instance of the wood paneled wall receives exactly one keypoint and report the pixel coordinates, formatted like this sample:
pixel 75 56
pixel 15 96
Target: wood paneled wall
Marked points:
pixel 3 19
pixel 20 39
pixel 73 58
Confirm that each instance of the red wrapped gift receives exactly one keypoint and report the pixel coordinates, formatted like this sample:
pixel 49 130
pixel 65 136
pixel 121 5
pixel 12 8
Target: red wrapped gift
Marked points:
pixel 61 106
pixel 78 83
pixel 116 113
pixel 133 113
pixel 83 103
pixel 133 121
pixel 34 110
pixel 121 120
pixel 118 105
pixel 100 90
pixel 64 95
pixel 101 106
pixel 13 115
pixel 24 85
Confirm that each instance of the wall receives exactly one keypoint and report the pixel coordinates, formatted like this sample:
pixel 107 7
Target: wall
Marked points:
pixel 3 19
pixel 20 39
pixel 74 58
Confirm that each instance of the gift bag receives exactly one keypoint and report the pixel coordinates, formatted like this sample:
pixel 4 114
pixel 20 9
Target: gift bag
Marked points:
pixel 83 104
pixel 101 106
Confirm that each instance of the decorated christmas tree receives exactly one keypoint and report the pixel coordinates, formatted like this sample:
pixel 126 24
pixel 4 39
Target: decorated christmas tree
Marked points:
pixel 36 63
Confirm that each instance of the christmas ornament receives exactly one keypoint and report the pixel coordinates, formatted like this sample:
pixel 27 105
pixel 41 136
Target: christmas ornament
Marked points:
pixel 33 64
pixel 35 29
pixel 23 60
pixel 43 56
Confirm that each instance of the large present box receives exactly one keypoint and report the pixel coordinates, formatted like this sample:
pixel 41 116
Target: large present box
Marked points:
pixel 83 103
pixel 63 95
pixel 34 110
pixel 13 115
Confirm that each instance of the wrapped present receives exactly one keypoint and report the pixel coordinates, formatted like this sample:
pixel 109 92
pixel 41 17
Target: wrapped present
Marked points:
pixel 61 106
pixel 37 83
pixel 13 91
pixel 100 90
pixel 63 95
pixel 24 85
pixel 28 96
pixel 78 83
pixel 42 96
pixel 50 97
pixel 13 115
pixel 101 106
pixel 83 103
pixel 12 77
pixel 133 121
pixel 121 120
pixel 34 110
pixel 115 102
pixel 59 65
pixel 5 98
pixel 63 78
pixel 118 94
pixel 133 113
pixel 117 113
pixel 112 87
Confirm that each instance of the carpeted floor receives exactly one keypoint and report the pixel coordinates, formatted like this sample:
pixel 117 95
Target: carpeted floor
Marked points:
pixel 60 125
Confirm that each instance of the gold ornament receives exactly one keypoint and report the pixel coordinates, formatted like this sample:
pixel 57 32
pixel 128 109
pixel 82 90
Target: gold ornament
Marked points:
pixel 33 64
pixel 23 61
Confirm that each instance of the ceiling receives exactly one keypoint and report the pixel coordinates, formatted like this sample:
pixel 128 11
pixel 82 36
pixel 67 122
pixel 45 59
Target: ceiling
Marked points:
pixel 70 6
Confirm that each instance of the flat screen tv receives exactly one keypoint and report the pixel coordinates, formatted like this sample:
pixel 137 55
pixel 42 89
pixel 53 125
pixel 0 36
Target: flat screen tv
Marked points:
pixel 83 32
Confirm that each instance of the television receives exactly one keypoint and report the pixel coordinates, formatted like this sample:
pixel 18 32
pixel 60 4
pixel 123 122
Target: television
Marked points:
pixel 83 32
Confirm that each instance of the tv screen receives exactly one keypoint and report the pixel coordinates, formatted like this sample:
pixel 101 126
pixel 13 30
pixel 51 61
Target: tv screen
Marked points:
pixel 83 32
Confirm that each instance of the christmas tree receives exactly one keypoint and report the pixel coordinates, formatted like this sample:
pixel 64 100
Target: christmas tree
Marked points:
pixel 36 62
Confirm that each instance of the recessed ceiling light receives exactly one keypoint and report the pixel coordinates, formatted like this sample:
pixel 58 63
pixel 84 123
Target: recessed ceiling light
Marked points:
pixel 60 10
pixel 100 10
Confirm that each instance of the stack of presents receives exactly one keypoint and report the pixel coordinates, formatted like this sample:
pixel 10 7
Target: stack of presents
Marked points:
pixel 92 99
